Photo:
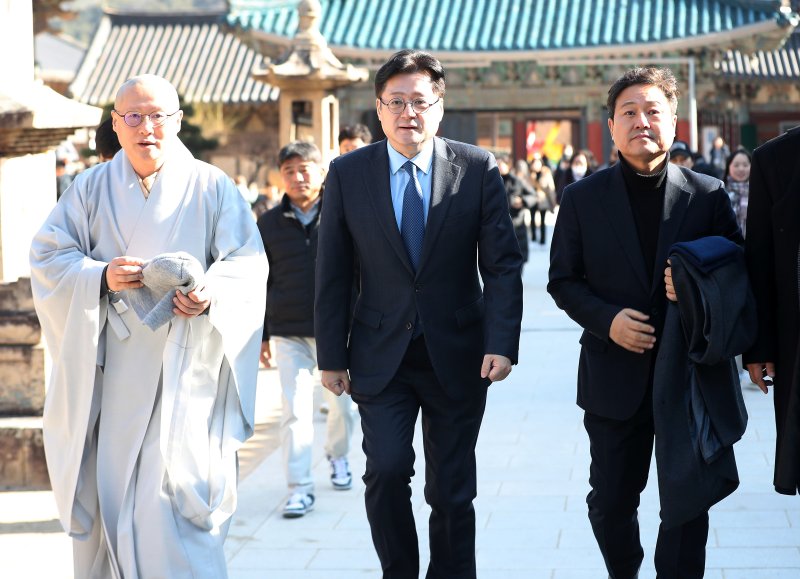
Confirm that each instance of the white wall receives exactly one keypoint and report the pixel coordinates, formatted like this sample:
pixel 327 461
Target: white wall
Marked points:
pixel 16 43
pixel 27 195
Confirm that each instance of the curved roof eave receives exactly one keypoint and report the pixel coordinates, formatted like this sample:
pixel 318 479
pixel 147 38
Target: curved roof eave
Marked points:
pixel 204 61
pixel 564 55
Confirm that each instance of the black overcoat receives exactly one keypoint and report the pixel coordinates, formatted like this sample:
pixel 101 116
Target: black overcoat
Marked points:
pixel 773 238
pixel 597 269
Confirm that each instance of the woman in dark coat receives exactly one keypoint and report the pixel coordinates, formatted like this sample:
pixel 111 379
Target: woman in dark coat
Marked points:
pixel 545 189
pixel 737 183
pixel 580 166
pixel 521 199
pixel 771 248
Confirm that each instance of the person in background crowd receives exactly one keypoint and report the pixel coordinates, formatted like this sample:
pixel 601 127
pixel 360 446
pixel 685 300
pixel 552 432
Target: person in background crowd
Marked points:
pixel 521 199
pixel 522 171
pixel 63 177
pixel 106 142
pixel 703 167
pixel 719 155
pixel 562 166
pixel 545 189
pixel 613 157
pixel 737 182
pixel 248 193
pixel 270 197
pixel 255 192
pixel 579 167
pixel 679 154
pixel 290 232
pixel 352 137
pixel 771 250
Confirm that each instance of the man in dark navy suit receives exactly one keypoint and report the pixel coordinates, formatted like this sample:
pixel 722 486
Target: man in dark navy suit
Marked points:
pixel 607 271
pixel 432 326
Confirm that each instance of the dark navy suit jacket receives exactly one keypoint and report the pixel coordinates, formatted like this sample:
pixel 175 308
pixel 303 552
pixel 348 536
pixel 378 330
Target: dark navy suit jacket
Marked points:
pixel 467 291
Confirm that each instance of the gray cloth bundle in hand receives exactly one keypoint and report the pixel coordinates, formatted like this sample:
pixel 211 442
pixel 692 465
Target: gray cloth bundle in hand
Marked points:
pixel 164 274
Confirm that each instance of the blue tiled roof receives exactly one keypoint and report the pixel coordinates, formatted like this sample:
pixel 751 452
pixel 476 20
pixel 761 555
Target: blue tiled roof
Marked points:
pixel 194 51
pixel 782 64
pixel 506 25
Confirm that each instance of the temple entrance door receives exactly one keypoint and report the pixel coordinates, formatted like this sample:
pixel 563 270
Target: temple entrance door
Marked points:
pixel 522 133
pixel 547 137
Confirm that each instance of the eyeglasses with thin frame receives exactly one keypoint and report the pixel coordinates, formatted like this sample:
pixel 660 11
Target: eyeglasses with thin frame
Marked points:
pixel 398 105
pixel 134 119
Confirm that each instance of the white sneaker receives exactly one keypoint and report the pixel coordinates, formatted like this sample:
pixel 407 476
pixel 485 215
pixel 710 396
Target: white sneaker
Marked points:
pixel 341 479
pixel 297 505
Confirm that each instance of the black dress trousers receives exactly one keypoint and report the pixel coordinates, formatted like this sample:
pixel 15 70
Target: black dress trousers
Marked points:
pixel 621 451
pixel 450 432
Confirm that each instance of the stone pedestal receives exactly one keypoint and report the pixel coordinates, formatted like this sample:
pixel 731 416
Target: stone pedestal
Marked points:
pixel 22 375
pixel 22 387
pixel 33 121
pixel 22 357
pixel 22 463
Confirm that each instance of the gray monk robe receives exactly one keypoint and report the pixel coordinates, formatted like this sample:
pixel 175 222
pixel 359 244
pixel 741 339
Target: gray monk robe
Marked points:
pixel 698 409
pixel 141 426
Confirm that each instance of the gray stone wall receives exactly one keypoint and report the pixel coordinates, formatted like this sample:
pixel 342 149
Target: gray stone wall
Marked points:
pixel 22 389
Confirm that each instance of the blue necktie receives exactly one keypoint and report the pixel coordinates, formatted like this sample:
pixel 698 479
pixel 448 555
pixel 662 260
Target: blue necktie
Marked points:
pixel 412 223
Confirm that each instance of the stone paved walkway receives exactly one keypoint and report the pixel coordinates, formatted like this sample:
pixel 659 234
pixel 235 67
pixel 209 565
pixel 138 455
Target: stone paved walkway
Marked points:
pixel 533 462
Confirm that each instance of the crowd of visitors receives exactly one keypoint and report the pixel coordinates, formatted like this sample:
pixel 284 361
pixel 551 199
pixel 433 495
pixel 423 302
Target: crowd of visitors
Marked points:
pixel 547 181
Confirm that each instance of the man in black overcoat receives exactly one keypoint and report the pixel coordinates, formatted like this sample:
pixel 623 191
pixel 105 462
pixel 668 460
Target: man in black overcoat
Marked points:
pixel 607 268
pixel 771 250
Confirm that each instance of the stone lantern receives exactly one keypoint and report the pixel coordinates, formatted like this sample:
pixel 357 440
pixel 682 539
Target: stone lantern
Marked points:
pixel 33 120
pixel 308 75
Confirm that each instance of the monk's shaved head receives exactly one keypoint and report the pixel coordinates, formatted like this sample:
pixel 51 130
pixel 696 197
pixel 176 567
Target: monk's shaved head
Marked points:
pixel 158 86
pixel 147 142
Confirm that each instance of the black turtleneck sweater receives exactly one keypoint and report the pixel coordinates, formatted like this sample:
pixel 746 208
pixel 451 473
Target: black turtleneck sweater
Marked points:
pixel 646 196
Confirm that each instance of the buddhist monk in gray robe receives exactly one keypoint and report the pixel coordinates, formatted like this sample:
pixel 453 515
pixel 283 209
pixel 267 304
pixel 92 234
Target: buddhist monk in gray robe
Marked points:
pixel 141 425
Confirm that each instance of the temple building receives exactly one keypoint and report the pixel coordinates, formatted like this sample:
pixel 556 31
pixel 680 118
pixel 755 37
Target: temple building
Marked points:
pixel 521 76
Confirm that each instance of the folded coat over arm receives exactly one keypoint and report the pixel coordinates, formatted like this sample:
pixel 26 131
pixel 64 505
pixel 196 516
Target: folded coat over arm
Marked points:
pixel 698 407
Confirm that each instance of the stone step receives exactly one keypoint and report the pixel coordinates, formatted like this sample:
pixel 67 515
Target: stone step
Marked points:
pixel 19 329
pixel 16 296
pixel 22 462
pixel 22 379
pixel 18 322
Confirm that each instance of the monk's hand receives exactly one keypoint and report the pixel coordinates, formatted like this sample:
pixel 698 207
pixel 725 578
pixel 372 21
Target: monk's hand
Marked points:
pixel 762 374
pixel 629 330
pixel 192 304
pixel 266 354
pixel 337 381
pixel 495 367
pixel 668 283
pixel 124 273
